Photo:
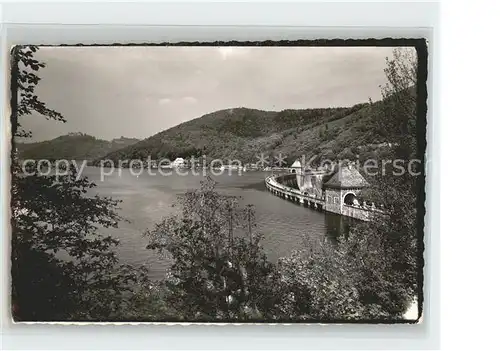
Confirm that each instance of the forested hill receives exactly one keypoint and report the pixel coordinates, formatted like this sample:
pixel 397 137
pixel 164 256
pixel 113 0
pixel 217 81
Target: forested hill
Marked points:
pixel 73 146
pixel 242 133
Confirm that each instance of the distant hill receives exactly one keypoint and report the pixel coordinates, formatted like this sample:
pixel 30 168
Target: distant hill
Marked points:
pixel 242 133
pixel 73 146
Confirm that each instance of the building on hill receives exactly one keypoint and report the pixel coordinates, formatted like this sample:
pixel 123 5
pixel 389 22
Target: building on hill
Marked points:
pixel 178 162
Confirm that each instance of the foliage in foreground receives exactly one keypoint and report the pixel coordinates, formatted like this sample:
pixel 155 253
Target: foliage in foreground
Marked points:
pixel 63 269
pixel 220 271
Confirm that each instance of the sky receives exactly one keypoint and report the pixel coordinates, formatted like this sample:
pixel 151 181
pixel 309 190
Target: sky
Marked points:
pixel 109 92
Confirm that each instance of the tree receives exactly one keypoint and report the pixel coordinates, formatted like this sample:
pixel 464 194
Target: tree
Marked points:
pixel 318 285
pixel 330 281
pixel 373 272
pixel 24 78
pixel 220 271
pixel 62 267
pixel 387 248
pixel 399 107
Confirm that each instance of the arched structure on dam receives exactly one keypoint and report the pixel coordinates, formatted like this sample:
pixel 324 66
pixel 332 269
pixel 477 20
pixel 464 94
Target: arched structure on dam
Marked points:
pixel 342 188
pixel 349 198
pixel 333 191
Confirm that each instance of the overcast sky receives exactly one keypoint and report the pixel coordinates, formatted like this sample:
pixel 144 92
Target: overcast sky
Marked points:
pixel 110 92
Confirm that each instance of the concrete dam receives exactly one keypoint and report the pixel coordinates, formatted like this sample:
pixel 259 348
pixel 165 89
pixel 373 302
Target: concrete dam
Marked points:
pixel 331 191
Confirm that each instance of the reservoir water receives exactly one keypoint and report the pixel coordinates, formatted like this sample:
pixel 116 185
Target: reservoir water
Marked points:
pixel 147 198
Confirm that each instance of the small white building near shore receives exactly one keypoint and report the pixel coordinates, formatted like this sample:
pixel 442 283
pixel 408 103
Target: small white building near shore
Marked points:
pixel 178 162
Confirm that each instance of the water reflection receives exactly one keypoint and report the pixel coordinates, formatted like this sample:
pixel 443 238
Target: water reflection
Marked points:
pixel 337 226
pixel 147 199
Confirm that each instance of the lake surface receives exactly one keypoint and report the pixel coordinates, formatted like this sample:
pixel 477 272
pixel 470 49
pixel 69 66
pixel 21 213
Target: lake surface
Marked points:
pixel 148 198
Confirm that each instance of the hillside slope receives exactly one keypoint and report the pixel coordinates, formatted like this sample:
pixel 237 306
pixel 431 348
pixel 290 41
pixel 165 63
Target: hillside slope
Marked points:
pixel 73 146
pixel 243 133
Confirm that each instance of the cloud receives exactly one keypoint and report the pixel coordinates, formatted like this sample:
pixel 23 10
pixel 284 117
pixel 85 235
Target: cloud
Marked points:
pixel 164 101
pixel 138 91
pixel 189 100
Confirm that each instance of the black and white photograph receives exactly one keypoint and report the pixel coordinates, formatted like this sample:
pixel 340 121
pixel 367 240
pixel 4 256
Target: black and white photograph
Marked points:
pixel 225 182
